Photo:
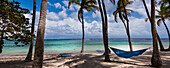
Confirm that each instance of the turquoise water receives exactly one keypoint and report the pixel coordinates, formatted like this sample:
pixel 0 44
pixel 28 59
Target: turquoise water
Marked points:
pixel 74 45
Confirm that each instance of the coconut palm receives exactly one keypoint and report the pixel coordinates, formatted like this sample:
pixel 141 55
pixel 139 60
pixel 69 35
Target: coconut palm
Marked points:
pixel 29 55
pixel 39 46
pixel 123 12
pixel 164 2
pixel 104 28
pixel 88 5
pixel 164 13
pixel 156 60
pixel 149 17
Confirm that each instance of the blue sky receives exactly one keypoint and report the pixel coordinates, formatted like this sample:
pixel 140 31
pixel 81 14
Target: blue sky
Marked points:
pixel 62 23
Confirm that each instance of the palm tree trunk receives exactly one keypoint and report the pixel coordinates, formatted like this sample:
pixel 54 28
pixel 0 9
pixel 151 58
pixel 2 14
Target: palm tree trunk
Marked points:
pixel 105 41
pixel 106 34
pixel 160 42
pixel 39 46
pixel 1 45
pixel 167 31
pixel 1 42
pixel 120 15
pixel 29 55
pixel 82 6
pixel 144 3
pixel 128 31
pixel 129 38
pixel 82 50
pixel 156 60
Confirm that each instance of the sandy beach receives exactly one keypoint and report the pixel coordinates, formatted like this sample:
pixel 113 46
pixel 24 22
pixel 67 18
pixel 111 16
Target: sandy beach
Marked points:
pixel 86 60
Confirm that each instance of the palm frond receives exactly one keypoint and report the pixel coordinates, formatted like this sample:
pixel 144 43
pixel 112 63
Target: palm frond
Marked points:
pixel 113 1
pixel 130 2
pixel 146 19
pixel 129 10
pixel 157 16
pixel 92 10
pixel 91 2
pixel 73 1
pixel 159 22
pixel 80 15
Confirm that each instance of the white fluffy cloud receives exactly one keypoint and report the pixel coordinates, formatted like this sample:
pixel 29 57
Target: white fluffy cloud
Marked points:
pixel 57 5
pixel 63 13
pixel 50 4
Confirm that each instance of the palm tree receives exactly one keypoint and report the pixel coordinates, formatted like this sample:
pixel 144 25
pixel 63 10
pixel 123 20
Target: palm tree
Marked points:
pixel 164 2
pixel 149 17
pixel 123 12
pixel 1 40
pixel 29 55
pixel 164 14
pixel 39 46
pixel 156 60
pixel 88 5
pixel 104 28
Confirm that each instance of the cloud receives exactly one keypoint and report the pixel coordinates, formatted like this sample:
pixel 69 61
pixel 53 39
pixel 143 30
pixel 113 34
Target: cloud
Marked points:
pixel 63 13
pixel 52 16
pixel 71 6
pixel 64 24
pixel 50 4
pixel 57 5
pixel 65 3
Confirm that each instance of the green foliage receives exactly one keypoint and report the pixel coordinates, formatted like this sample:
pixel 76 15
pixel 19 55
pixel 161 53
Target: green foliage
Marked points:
pixel 120 9
pixel 88 5
pixel 13 24
pixel 164 12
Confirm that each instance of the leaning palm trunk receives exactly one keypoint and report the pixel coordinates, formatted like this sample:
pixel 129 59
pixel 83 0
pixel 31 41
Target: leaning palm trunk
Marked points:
pixel 39 46
pixel 167 31
pixel 105 31
pixel 29 55
pixel 82 50
pixel 160 42
pixel 129 39
pixel 156 60
pixel 127 30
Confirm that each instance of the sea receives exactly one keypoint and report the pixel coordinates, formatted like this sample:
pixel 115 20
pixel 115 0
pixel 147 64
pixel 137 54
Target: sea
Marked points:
pixel 75 45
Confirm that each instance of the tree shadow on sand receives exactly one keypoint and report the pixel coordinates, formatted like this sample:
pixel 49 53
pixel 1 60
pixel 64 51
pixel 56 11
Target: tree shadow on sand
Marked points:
pixel 91 61
pixel 16 64
pixel 94 61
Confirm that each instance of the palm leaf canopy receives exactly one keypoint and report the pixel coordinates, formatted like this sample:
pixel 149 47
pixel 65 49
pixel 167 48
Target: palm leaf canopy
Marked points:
pixel 88 5
pixel 163 13
pixel 163 2
pixel 120 9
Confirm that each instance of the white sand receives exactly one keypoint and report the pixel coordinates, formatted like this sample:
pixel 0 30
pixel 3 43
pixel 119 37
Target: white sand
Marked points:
pixel 86 60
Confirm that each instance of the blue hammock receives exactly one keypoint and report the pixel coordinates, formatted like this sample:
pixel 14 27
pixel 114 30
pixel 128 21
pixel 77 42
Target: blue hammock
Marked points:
pixel 127 54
